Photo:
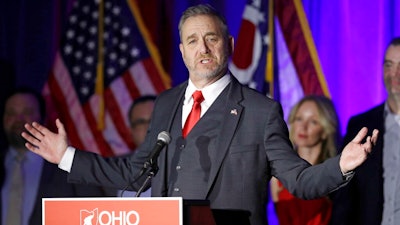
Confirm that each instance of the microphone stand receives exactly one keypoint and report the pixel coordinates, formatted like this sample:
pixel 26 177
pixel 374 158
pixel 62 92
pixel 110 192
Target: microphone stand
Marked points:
pixel 152 168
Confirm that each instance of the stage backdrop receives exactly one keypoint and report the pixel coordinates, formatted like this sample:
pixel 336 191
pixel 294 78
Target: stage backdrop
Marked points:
pixel 350 37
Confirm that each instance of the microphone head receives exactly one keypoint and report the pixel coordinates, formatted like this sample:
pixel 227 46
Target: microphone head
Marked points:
pixel 164 137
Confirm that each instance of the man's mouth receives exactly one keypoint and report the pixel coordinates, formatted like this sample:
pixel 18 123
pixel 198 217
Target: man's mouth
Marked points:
pixel 204 61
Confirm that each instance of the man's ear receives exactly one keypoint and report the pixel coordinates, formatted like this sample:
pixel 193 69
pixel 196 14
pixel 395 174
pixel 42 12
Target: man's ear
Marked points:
pixel 181 48
pixel 231 45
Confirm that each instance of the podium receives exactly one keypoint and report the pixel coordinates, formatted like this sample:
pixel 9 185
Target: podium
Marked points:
pixel 126 211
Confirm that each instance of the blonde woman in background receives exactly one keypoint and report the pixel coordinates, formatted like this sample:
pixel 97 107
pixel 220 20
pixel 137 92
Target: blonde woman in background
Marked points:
pixel 313 131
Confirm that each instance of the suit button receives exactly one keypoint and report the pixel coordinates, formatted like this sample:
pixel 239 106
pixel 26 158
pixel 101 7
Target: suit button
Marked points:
pixel 182 146
pixel 178 167
pixel 176 189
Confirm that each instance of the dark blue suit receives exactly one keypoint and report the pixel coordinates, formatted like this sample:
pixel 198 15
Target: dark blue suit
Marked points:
pixel 361 201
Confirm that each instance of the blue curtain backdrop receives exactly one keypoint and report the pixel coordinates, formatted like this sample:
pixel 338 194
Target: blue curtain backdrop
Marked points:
pixel 351 37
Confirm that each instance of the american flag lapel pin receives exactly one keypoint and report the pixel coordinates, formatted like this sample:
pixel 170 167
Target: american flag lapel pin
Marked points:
pixel 234 112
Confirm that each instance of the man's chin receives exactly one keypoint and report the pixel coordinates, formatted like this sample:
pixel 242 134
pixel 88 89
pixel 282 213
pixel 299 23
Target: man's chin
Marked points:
pixel 209 73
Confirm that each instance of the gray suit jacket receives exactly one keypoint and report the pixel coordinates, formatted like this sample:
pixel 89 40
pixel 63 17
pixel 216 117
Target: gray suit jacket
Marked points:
pixel 253 146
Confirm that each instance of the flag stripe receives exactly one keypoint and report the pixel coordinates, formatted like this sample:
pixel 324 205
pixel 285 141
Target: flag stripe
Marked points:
pixel 288 16
pixel 165 79
pixel 89 115
pixel 290 89
pixel 117 144
pixel 130 83
pixel 153 74
pixel 117 115
pixel 143 83
pixel 246 45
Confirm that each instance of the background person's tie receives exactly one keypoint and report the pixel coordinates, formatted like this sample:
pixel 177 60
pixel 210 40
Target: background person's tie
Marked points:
pixel 14 215
pixel 194 115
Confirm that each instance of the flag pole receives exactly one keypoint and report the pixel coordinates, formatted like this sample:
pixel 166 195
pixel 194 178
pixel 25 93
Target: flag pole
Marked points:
pixel 269 76
pixel 100 68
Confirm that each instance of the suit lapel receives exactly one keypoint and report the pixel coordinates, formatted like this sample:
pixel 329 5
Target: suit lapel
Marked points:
pixel 233 112
pixel 177 96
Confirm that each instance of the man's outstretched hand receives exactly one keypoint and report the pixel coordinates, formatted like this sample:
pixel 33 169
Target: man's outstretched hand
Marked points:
pixel 40 140
pixel 355 152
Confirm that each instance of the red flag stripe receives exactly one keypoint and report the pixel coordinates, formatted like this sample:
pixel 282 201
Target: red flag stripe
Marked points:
pixel 142 79
pixel 246 38
pixel 89 114
pixel 153 74
pixel 131 85
pixel 117 111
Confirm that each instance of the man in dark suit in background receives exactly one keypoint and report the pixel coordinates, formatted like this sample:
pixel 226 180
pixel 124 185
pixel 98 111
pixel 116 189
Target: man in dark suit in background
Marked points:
pixel 372 196
pixel 229 155
pixel 37 178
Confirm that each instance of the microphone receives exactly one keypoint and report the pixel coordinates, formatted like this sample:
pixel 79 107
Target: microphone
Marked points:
pixel 163 139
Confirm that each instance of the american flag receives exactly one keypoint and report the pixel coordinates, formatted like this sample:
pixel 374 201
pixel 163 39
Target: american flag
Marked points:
pixel 131 68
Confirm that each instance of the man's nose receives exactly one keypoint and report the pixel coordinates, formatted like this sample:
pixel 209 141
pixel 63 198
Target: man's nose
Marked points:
pixel 204 48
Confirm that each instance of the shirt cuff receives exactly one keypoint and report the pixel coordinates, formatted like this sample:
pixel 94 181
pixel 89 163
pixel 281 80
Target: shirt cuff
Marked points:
pixel 67 159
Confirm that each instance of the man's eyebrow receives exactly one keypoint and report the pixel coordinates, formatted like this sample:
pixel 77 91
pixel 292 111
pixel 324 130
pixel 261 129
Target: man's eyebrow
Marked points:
pixel 191 36
pixel 212 33
pixel 207 34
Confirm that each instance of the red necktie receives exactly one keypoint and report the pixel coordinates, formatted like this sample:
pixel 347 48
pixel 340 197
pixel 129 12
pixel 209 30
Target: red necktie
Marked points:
pixel 194 115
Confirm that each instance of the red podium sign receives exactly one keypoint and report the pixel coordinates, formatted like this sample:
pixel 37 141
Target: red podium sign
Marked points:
pixel 112 211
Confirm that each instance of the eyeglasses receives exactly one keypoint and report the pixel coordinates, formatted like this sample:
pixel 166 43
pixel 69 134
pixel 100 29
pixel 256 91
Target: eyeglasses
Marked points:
pixel 139 122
